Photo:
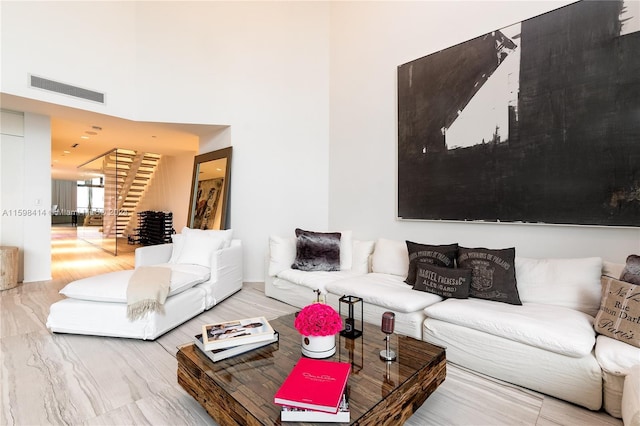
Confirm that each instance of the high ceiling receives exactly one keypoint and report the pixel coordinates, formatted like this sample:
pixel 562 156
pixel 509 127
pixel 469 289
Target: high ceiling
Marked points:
pixel 79 136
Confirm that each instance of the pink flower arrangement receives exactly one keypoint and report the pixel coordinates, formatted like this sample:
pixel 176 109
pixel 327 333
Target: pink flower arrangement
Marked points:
pixel 318 319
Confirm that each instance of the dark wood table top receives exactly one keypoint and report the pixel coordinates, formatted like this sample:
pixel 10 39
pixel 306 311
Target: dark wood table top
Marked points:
pixel 239 390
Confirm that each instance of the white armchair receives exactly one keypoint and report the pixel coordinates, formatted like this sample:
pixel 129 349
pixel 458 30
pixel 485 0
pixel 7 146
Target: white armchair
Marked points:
pixel 97 305
pixel 226 268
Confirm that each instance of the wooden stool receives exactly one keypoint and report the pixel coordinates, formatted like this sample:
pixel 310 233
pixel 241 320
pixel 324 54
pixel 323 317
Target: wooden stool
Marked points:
pixel 8 267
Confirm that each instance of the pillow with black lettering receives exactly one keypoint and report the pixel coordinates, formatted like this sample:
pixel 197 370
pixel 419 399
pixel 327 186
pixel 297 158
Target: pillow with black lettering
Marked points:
pixel 619 313
pixel 445 282
pixel 439 255
pixel 494 273
pixel 317 251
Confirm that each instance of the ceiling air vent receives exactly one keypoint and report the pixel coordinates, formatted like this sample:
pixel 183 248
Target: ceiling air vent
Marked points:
pixel 66 89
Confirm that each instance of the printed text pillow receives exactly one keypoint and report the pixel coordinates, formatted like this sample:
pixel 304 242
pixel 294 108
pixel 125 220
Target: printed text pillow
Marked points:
pixel 619 314
pixel 494 273
pixel 439 255
pixel 445 282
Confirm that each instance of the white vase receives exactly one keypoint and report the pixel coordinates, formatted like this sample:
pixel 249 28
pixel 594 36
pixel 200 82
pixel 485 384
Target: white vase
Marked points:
pixel 318 346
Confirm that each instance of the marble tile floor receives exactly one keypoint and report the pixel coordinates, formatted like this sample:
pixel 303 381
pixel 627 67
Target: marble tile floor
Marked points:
pixel 62 379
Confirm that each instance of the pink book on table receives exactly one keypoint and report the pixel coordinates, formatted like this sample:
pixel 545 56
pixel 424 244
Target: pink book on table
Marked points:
pixel 314 384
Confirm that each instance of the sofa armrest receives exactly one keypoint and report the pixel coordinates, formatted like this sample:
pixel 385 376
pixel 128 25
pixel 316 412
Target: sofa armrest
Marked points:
pixel 152 255
pixel 226 263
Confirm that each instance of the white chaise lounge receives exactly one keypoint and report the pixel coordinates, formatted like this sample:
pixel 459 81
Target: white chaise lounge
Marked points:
pixel 206 268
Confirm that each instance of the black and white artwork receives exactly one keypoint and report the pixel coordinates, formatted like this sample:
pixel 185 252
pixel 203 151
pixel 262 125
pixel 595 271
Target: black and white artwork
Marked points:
pixel 538 122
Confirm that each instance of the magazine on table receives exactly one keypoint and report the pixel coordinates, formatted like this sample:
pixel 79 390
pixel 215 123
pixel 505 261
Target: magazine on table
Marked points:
pixel 234 333
pixel 314 384
pixel 294 414
pixel 220 354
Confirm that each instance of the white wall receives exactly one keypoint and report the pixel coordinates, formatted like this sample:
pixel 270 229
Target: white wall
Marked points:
pixel 261 68
pixel 11 165
pixel 166 192
pixel 89 44
pixel 37 197
pixel 368 41
pixel 182 167
pixel 308 90
pixel 25 188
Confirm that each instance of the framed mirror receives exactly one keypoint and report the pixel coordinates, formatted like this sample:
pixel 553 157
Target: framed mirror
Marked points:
pixel 210 190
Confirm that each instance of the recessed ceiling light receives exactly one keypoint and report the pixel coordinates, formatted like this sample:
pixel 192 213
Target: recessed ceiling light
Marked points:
pixel 67 152
pixel 84 137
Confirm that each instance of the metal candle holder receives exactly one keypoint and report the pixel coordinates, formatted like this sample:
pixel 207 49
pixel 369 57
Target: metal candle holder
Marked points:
pixel 387 354
pixel 352 326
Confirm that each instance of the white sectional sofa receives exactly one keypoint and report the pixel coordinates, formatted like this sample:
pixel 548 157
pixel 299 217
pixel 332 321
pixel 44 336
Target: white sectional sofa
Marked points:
pixel 547 344
pixel 204 271
pixel 377 277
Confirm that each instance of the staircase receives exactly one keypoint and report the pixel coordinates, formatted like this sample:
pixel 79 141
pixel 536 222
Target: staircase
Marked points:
pixel 127 174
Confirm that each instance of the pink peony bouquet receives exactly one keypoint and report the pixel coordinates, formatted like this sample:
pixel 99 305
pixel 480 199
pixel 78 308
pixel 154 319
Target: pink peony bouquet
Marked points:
pixel 318 319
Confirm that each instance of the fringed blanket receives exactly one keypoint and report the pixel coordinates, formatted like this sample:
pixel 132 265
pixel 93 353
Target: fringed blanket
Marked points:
pixel 147 291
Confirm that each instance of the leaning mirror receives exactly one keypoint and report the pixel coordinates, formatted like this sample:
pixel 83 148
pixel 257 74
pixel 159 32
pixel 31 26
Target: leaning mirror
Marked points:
pixel 210 190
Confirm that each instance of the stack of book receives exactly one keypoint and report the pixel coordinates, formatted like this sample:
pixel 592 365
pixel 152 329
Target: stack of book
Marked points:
pixel 295 414
pixel 222 340
pixel 315 391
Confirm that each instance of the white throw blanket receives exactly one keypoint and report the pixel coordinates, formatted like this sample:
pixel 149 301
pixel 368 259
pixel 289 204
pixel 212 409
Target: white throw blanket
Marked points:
pixel 147 291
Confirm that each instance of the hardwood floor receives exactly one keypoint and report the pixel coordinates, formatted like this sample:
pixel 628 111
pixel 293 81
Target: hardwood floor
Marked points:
pixel 62 379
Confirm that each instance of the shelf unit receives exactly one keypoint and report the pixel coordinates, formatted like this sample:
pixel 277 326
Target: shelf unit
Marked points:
pixel 154 227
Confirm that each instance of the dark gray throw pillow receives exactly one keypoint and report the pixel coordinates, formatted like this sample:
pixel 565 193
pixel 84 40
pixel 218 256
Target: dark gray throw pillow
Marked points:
pixel 439 255
pixel 631 271
pixel 317 251
pixel 494 273
pixel 445 282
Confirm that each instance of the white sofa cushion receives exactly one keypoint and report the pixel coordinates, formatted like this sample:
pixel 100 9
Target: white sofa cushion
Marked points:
pixel 110 319
pixel 225 235
pixel 315 280
pixel 386 290
pixel 390 257
pixel 362 251
pixel 631 397
pixel 578 380
pixel 179 240
pixel 554 328
pixel 616 357
pixel 197 249
pixel 112 286
pixel 346 250
pixel 572 283
pixel 282 254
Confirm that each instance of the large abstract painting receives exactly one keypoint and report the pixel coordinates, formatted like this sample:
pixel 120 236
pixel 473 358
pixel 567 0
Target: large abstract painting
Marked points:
pixel 538 122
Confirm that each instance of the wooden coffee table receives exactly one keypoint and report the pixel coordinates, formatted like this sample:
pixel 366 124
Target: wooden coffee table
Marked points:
pixel 239 390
